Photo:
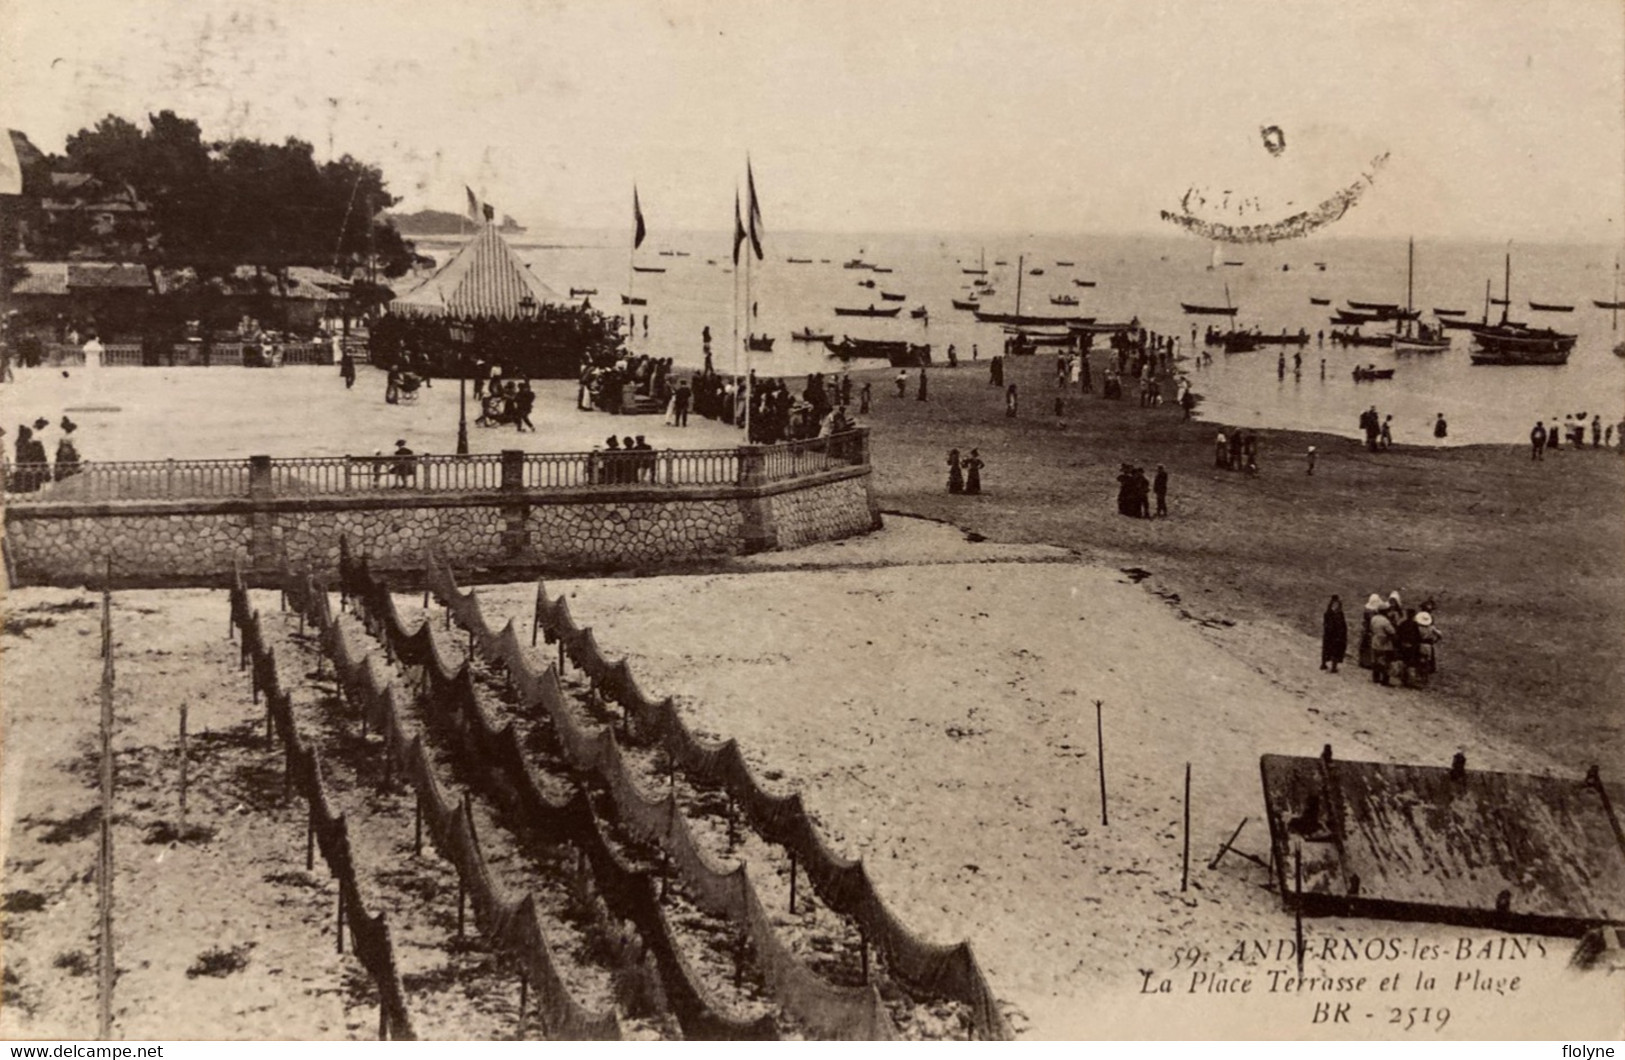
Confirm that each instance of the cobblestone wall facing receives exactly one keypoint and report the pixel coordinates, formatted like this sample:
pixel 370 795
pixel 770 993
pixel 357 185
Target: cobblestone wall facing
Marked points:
pixel 178 544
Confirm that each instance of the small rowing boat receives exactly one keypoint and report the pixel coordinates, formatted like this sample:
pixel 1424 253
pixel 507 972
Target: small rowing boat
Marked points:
pixel 1548 307
pixel 648 268
pixel 809 335
pixel 1209 310
pixel 1319 301
pixel 890 297
pixel 844 311
pixel 581 292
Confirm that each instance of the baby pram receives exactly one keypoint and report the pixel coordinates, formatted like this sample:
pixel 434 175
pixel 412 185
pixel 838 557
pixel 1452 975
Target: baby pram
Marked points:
pixel 496 410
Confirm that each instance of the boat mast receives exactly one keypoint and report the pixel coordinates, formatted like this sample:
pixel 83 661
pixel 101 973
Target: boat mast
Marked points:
pixel 1506 291
pixel 1486 302
pixel 1615 325
pixel 1021 267
pixel 1410 276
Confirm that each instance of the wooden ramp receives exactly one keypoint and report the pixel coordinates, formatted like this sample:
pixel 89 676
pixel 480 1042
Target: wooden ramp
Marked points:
pixel 1505 850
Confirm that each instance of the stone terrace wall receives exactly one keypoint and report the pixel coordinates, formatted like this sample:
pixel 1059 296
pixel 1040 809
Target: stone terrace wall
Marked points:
pixel 516 533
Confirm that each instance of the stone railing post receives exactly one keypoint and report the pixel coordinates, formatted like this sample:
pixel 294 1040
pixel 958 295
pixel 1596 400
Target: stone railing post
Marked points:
pixel 752 465
pixel 515 509
pixel 513 469
pixel 262 552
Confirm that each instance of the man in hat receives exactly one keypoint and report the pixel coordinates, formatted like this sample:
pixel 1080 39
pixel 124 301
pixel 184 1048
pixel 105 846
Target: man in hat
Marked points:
pixel 1159 485
pixel 67 455
pixel 406 465
pixel 1310 459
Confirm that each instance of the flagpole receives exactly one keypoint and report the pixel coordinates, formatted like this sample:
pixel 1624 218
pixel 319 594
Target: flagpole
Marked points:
pixel 750 396
pixel 631 272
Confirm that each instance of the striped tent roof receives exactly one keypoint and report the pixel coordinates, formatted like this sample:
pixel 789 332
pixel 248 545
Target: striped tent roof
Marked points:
pixel 485 279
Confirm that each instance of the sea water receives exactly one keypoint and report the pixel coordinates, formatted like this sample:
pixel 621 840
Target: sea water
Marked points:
pixel 1145 277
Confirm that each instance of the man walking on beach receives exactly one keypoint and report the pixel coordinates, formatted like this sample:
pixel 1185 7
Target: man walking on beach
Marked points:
pixel 1159 486
pixel 902 383
pixel 920 396
pixel 1537 442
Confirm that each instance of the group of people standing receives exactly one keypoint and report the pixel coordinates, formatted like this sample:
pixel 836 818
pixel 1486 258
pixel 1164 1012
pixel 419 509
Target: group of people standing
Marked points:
pixel 1396 642
pixel 1238 451
pixel 965 474
pixel 1379 430
pixel 1573 430
pixel 34 468
pixel 1134 492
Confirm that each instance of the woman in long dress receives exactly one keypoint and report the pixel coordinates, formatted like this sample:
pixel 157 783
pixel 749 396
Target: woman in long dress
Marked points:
pixel 973 472
pixel 956 479
pixel 1334 635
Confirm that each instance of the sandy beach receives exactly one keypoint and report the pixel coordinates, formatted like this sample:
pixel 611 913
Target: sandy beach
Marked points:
pixel 930 690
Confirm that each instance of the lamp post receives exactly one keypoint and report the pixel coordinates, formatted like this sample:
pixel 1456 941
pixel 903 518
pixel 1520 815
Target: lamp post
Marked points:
pixel 459 336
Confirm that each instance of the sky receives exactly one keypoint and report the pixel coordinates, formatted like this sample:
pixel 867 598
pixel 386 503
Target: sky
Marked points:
pixel 1498 120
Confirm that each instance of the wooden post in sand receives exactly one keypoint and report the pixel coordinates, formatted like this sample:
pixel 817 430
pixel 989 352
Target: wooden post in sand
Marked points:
pixel 1100 755
pixel 1185 870
pixel 1297 905
pixel 104 875
pixel 183 770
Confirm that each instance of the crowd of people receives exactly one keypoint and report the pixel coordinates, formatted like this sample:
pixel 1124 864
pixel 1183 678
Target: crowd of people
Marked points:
pixel 1544 437
pixel 1397 643
pixel 33 468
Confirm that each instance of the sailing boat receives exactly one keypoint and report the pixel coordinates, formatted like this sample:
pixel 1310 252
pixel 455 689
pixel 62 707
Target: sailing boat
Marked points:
pixel 1409 336
pixel 980 270
pixel 1226 310
pixel 1509 343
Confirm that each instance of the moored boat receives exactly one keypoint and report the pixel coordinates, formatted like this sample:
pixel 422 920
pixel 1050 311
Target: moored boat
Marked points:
pixel 1209 310
pixel 921 313
pixel 965 303
pixel 844 311
pixel 581 292
pixel 1409 335
pixel 1319 301
pixel 900 354
pixel 648 268
pixel 1371 372
pixel 1062 299
pixel 1065 264
pixel 891 297
pixel 1374 306
pixel 627 299
pixel 1600 304
pixel 799 261
pixel 1449 312
pixel 759 343
pixel 1548 307
pixel 809 335
pixel 1507 343
pixel 880 268
pixel 1083 283
pixel 1030 319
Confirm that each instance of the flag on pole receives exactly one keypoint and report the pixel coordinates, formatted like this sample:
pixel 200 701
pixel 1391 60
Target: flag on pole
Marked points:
pixel 739 228
pixel 755 212
pixel 638 229
pixel 473 205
